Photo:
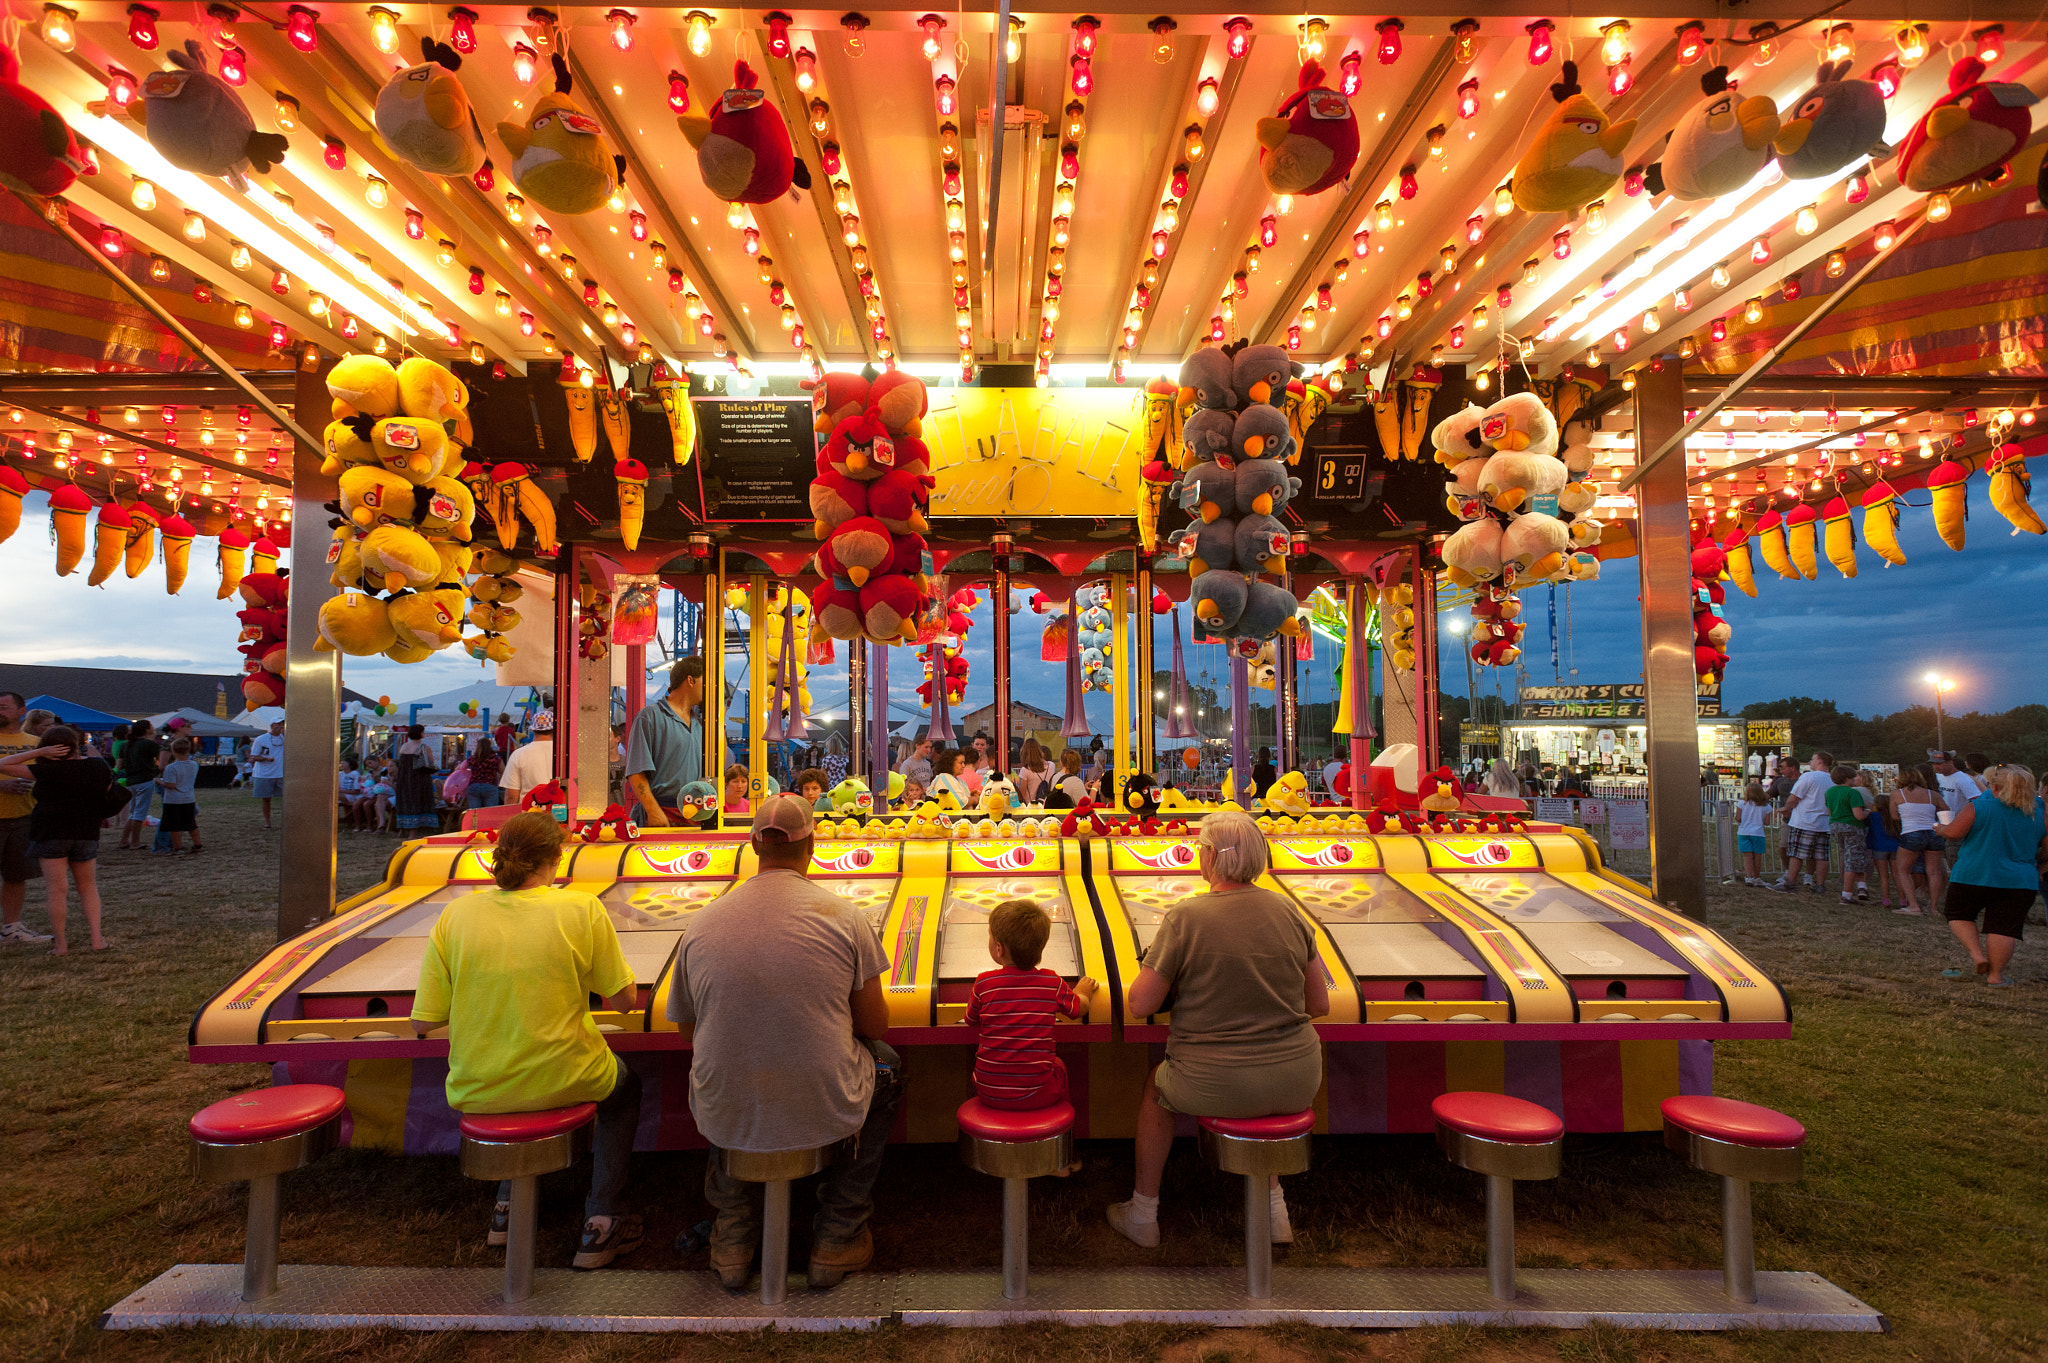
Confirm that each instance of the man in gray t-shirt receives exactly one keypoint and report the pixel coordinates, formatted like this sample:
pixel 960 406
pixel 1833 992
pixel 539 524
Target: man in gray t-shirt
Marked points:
pixel 783 983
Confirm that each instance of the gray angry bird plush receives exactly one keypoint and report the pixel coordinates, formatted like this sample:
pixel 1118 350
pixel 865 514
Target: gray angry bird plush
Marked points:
pixel 1269 609
pixel 1261 432
pixel 1260 373
pixel 1832 124
pixel 1206 436
pixel 197 122
pixel 1261 545
pixel 1264 487
pixel 1208 492
pixel 1219 597
pixel 424 113
pixel 1205 547
pixel 1205 380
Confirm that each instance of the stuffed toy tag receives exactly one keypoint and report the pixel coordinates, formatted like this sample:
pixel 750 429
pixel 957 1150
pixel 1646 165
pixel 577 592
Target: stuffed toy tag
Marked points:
pixel 572 120
pixel 1705 597
pixel 1544 504
pixel 1328 105
pixel 352 599
pixel 1274 542
pixel 924 563
pixel 1190 497
pixel 164 84
pixel 1184 547
pixel 818 400
pixel 401 437
pixel 739 101
pixel 864 802
pixel 441 507
pixel 884 450
pixel 1493 428
pixel 333 551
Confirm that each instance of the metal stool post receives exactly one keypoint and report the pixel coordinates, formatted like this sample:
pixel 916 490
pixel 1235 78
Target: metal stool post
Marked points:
pixel 259 1253
pixel 1505 1139
pixel 518 1147
pixel 1016 1147
pixel 1742 1144
pixel 1016 1237
pixel 1258 1148
pixel 1738 1241
pixel 774 1170
pixel 258 1137
pixel 1258 1237
pixel 522 1236
pixel 1500 1236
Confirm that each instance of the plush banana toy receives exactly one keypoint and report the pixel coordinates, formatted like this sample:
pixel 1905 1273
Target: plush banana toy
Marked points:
pixel 512 481
pixel 141 539
pixel 13 487
pixel 616 419
pixel 233 554
pixel 69 506
pixel 2010 486
pixel 178 533
pixel 632 476
pixel 1799 540
pixel 1770 542
pixel 1740 571
pixel 109 542
pixel 1840 536
pixel 674 395
pixel 582 418
pixel 263 553
pixel 1881 521
pixel 1949 486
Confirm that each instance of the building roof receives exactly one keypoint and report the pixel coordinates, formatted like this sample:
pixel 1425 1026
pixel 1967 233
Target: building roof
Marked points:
pixel 131 694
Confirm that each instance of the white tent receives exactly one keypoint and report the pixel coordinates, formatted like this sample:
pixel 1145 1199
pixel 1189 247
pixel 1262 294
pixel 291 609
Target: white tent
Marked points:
pixel 204 725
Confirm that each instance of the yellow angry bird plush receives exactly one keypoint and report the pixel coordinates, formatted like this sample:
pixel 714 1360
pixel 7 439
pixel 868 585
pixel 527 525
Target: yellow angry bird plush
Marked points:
pixel 402 652
pixel 1288 795
pixel 355 623
pixel 559 157
pixel 424 113
pixel 345 556
pixel 371 495
pixel 488 648
pixel 428 389
pixel 445 509
pixel 346 442
pixel 429 620
pixel 493 619
pixel 1576 155
pixel 363 385
pixel 399 557
pixel 411 447
pixel 455 560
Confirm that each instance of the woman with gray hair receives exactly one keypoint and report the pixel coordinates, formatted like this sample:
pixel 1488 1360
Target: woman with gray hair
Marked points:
pixel 1239 967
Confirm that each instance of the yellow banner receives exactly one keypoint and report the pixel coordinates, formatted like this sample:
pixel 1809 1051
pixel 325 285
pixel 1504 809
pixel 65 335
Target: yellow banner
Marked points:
pixel 1035 451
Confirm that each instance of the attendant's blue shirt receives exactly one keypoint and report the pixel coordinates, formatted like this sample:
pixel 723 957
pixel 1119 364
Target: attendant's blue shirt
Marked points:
pixel 667 749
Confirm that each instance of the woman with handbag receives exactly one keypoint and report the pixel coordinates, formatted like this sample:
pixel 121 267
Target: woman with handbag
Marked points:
pixel 73 794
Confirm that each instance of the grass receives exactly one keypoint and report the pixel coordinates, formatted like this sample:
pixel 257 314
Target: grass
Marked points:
pixel 1924 1191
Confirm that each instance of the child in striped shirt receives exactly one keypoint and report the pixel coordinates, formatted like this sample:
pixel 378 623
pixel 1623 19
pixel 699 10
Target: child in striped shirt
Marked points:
pixel 1015 1005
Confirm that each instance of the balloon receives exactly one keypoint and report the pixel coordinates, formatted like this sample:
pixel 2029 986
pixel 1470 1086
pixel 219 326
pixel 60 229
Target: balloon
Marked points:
pixel 1190 758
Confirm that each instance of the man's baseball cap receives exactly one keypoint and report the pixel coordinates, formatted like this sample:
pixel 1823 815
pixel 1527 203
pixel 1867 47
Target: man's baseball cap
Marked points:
pixel 786 814
pixel 544 722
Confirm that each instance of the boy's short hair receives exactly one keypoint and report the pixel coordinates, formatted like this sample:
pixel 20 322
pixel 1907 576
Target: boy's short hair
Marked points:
pixel 182 748
pixel 810 774
pixel 1022 927
pixel 1843 774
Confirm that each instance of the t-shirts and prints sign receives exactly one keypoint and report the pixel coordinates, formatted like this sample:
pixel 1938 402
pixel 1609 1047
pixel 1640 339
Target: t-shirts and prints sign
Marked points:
pixel 1611 701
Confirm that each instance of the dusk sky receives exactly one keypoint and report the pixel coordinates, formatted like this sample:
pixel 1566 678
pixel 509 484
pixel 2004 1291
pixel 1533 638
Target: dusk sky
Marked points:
pixel 1864 643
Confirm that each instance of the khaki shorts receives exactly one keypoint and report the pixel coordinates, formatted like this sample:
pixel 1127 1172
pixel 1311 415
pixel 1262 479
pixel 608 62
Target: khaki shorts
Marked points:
pixel 1238 1088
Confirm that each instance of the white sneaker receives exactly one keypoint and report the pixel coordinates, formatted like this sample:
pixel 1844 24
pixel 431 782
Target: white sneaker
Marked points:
pixel 1142 1233
pixel 20 932
pixel 1283 1229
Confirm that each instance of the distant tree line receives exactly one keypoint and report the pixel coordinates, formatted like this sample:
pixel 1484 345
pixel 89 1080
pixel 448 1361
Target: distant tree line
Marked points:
pixel 1904 736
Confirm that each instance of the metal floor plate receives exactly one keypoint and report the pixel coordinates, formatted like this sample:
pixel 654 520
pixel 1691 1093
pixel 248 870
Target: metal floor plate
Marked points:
pixel 1386 1298
pixel 323 1297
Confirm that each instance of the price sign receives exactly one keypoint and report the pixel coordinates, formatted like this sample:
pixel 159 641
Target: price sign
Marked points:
pixel 1340 476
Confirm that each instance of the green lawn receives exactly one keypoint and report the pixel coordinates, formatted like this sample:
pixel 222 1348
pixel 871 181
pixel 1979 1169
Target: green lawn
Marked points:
pixel 1925 1186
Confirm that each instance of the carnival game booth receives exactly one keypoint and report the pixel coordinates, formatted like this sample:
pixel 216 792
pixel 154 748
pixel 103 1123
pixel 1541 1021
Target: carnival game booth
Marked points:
pixel 859 323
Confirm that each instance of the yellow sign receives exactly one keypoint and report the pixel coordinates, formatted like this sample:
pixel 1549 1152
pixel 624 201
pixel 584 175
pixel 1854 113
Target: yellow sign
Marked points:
pixel 1035 451
pixel 1770 733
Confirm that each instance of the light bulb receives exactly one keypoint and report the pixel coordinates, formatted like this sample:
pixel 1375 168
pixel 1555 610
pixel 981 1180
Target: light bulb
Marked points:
pixel 1540 41
pixel 376 192
pixel 302 28
pixel 1504 200
pixel 1529 273
pixel 143 196
pixel 234 65
pixel 1351 63
pixel 1841 43
pixel 1192 142
pixel 1911 40
pixel 1208 96
pixel 1719 276
pixel 59 28
pixel 383 30
pixel 1468 99
pixel 1838 264
pixel 805 64
pixel 697 27
pixel 1162 39
pixel 525 63
pixel 1883 236
pixel 240 256
pixel 1937 207
pixel 1753 311
pixel 1013 46
pixel 1383 216
pixel 1614 43
pixel 617 202
pixel 1387 50
pixel 1596 217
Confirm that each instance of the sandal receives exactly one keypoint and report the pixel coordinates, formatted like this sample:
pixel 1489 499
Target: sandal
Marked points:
pixel 1999 984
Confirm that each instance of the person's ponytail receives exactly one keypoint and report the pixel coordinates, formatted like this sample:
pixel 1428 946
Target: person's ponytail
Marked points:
pixel 527 843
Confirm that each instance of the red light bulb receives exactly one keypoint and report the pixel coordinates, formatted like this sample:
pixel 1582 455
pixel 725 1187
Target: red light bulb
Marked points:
pixel 1618 78
pixel 462 29
pixel 1360 241
pixel 1389 49
pixel 1084 78
pixel 1160 239
pixel 1084 35
pixel 526 324
pixel 828 158
pixel 1719 330
pixel 1408 184
pixel 1539 41
pixel 1216 327
pixel 637 224
pixel 1760 250
pixel 1692 43
pixel 302 27
pixel 778 34
pixel 1179 184
pixel 1294 337
pixel 278 336
pixel 120 86
pixel 415 225
pixel 112 244
pixel 142 27
pixel 1269 230
pixel 1468 98
pixel 678 92
pixel 1350 64
pixel 1240 38
pixel 590 293
pixel 1423 287
pixel 1886 77
pixel 1561 244
pixel 335 153
pixel 1070 161
pixel 946 94
pixel 1504 297
pixel 234 65
pixel 486 177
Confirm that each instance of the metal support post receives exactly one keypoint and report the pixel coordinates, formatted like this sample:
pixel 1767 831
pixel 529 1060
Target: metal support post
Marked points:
pixel 312 699
pixel 1286 703
pixel 1016 1238
pixel 878 709
pixel 522 1229
pixel 1120 686
pixel 1258 1237
pixel 758 700
pixel 259 1254
pixel 592 716
pixel 636 682
pixel 1678 867
pixel 1358 676
pixel 1500 1237
pixel 712 637
pixel 774 1242
pixel 1427 668
pixel 999 600
pixel 1240 730
pixel 565 672
pixel 1146 755
pixel 1738 1241
pixel 857 712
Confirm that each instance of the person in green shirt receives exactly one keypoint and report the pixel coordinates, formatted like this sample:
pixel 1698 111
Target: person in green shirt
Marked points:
pixel 510 972
pixel 1848 807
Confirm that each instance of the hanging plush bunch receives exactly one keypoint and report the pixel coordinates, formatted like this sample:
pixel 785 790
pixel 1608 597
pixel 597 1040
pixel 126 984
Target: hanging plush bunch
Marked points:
pixel 1400 412
pixel 869 502
pixel 949 632
pixel 593 622
pixel 1525 509
pixel 1709 625
pixel 781 603
pixel 1093 620
pixel 1235 449
pixel 38 152
pixel 493 595
pixel 262 639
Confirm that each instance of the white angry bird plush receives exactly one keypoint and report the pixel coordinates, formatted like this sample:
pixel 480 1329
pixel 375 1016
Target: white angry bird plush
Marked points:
pixel 424 113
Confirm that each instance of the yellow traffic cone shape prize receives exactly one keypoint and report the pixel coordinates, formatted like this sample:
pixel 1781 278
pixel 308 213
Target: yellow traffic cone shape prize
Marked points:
pixel 69 506
pixel 1740 570
pixel 632 476
pixel 1799 540
pixel 109 542
pixel 1948 485
pixel 1770 542
pixel 232 556
pixel 178 534
pixel 141 538
pixel 2010 486
pixel 13 487
pixel 263 555
pixel 1881 521
pixel 1840 536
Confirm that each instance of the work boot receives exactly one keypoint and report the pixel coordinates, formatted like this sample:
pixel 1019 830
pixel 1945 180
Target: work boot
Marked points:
pixel 831 1263
pixel 733 1247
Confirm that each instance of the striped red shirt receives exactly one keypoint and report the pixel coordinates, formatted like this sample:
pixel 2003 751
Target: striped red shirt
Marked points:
pixel 1015 1010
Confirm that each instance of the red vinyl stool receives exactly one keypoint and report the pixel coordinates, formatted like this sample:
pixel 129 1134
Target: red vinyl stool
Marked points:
pixel 521 1146
pixel 1505 1139
pixel 257 1136
pixel 1016 1147
pixel 1744 1144
pixel 773 1170
pixel 1258 1148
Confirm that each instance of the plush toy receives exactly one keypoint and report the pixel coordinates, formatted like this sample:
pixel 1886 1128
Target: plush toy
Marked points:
pixel 1207 436
pixel 889 607
pixel 1456 439
pixel 2010 487
pixel 38 153
pixel 1265 487
pixel 1520 423
pixel 1219 596
pixel 1831 125
pixel 1473 553
pixel 1304 407
pixel 1576 155
pixel 430 389
pixel 1205 381
pixel 1838 536
pixel 855 550
pixel 411 447
pixel 900 402
pixel 1206 546
pixel 1260 374
pixel 397 557
pixel 743 148
pixel 1770 542
pixel 455 560
pixel 835 498
pixel 631 476
pixel 512 481
pixel 444 509
pixel 346 442
pixel 1208 492
pixel 197 122
pixel 1513 481
pixel 558 157
pixel 1718 146
pixel 371 495
pixel 1735 555
pixel 834 398
pixel 1948 485
pixel 13 487
pixel 427 620
pixel 544 796
pixel 1260 545
pixel 423 113
pixel 141 538
pixel 493 619
pixel 69 506
pixel 1532 549
pixel 178 534
pixel 1799 540
pixel 109 542
pixel 899 498
pixel 1269 609
pixel 1969 134
pixel 850 452
pixel 1260 432
pixel 1881 522
pixel 1312 143
pixel 355 623
pixel 363 385
pixel 835 605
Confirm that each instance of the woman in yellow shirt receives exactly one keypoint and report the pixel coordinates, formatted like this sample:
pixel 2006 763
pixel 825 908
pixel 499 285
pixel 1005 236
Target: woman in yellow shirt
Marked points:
pixel 510 971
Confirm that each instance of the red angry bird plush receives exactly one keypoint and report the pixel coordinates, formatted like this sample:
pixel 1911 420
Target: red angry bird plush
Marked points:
pixel 544 796
pixel 38 154
pixel 889 606
pixel 834 398
pixel 835 499
pixel 614 823
pixel 835 608
pixel 898 499
pixel 1071 826
pixel 1313 142
pixel 851 450
pixel 1969 134
pixel 899 401
pixel 856 549
pixel 743 148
